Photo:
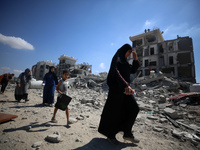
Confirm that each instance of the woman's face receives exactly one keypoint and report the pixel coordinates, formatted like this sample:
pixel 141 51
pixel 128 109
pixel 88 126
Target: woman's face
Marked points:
pixel 128 53
pixel 52 69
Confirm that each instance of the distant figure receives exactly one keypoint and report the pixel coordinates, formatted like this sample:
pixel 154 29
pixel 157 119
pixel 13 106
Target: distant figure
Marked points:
pixel 4 81
pixel 61 88
pixel 21 90
pixel 121 109
pixel 50 81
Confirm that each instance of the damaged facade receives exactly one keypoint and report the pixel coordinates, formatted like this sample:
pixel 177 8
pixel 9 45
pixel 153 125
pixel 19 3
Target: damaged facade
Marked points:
pixel 41 68
pixel 174 58
pixel 66 62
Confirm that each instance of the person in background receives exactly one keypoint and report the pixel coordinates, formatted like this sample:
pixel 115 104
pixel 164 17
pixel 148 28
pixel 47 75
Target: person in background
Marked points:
pixel 121 108
pixel 61 88
pixel 21 90
pixel 4 81
pixel 50 81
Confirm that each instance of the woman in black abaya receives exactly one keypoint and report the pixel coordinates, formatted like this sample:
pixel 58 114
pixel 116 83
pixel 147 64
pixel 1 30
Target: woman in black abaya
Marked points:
pixel 121 109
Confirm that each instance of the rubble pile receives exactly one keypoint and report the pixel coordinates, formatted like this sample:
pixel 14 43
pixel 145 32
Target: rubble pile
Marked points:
pixel 167 108
pixel 163 108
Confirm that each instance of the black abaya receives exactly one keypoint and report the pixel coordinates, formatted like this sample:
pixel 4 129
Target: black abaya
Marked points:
pixel 120 110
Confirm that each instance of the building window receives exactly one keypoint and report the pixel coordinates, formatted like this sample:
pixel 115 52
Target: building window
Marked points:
pixel 161 61
pixel 150 38
pixel 146 52
pixel 160 47
pixel 139 52
pixel 170 46
pixel 171 61
pixel 152 63
pixel 147 72
pixel 152 51
pixel 146 63
pixel 137 43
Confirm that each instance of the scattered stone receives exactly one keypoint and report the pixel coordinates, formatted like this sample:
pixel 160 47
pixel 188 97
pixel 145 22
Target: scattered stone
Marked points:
pixel 37 144
pixel 152 117
pixel 28 127
pixel 54 138
pixel 35 112
pixel 157 128
pixel 80 118
pixel 163 120
pixel 183 105
pixel 162 99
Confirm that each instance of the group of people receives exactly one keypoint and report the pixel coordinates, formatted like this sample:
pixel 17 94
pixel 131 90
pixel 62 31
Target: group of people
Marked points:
pixel 121 108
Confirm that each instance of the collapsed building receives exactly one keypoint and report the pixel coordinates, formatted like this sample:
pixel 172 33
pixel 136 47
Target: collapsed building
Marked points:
pixel 65 62
pixel 174 58
pixel 76 70
pixel 41 68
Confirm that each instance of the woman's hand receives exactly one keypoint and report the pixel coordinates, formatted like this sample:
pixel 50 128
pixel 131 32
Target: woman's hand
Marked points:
pixel 134 55
pixel 129 91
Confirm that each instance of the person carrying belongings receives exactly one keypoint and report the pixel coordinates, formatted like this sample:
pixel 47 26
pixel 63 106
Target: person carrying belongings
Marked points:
pixel 21 90
pixel 62 100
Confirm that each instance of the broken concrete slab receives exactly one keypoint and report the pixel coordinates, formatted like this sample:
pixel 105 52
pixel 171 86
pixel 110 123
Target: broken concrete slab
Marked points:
pixel 171 112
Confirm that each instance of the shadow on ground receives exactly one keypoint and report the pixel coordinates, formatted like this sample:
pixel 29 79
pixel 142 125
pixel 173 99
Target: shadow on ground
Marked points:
pixel 32 127
pixel 103 144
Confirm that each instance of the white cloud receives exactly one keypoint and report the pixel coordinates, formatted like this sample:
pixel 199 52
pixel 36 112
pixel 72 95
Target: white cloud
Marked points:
pixel 147 23
pixel 193 31
pixel 102 65
pixel 18 71
pixel 182 30
pixel 4 68
pixel 150 24
pixel 111 44
pixel 15 42
pixel 166 30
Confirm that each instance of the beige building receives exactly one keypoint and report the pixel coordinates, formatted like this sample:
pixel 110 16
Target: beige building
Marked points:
pixel 41 68
pixel 175 58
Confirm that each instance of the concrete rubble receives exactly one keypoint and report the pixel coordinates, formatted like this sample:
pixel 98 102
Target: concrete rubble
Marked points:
pixel 157 113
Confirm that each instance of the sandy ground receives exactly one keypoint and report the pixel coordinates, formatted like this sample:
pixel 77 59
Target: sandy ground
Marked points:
pixel 33 125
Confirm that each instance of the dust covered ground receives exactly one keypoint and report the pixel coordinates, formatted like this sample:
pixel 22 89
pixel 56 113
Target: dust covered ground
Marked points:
pixel 33 125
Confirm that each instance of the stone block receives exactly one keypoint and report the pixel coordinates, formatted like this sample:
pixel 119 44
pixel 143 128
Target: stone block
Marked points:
pixel 171 112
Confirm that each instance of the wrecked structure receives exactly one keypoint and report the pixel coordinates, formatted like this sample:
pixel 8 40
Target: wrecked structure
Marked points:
pixel 66 62
pixel 41 68
pixel 174 58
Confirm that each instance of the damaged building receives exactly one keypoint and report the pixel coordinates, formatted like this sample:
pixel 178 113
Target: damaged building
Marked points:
pixel 76 70
pixel 41 68
pixel 65 62
pixel 174 58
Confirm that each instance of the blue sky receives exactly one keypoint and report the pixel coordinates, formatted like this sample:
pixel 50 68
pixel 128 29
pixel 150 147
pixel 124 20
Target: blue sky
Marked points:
pixel 89 30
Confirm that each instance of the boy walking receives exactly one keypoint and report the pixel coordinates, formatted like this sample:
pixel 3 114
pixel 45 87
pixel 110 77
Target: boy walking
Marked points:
pixel 61 88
